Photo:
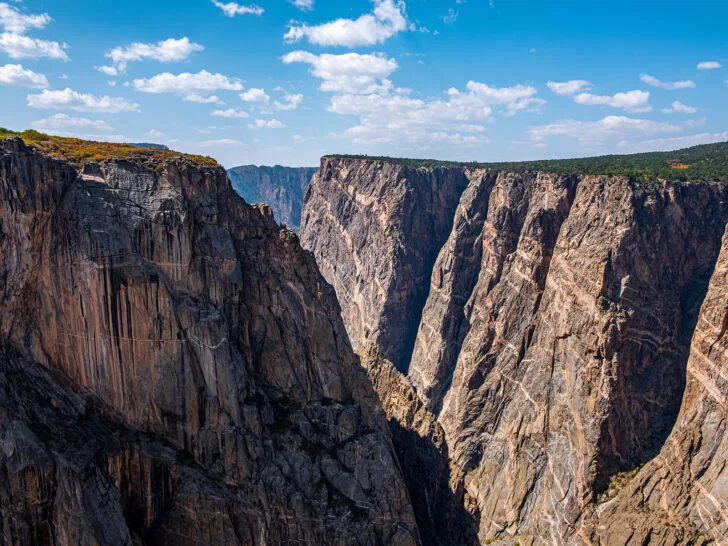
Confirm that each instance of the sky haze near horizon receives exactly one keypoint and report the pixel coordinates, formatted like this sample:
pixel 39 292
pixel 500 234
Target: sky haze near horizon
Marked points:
pixel 286 81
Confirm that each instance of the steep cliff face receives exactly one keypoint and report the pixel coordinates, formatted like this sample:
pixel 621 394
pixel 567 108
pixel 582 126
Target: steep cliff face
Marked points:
pixel 376 229
pixel 175 370
pixel 282 188
pixel 554 338
pixel 681 496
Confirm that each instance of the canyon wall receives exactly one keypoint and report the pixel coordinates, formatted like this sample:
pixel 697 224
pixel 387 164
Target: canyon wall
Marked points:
pixel 174 369
pixel 547 324
pixel 282 188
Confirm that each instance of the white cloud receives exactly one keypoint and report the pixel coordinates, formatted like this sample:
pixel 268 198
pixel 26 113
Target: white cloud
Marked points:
pixel 709 65
pixel 64 121
pixel 291 101
pixel 303 5
pixel 16 75
pixel 347 73
pixel 569 88
pixel 450 17
pixel 165 51
pixel 387 19
pixel 82 102
pixel 398 117
pixel 631 101
pixel 232 9
pixel 197 87
pixel 153 133
pixel 13 21
pixel 608 128
pixel 679 108
pixel 654 82
pixel 266 124
pixel 298 138
pixel 108 70
pixel 18 46
pixel 254 95
pixel 230 113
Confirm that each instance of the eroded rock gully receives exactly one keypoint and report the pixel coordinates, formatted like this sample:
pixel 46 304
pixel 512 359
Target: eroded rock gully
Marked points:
pixel 553 317
pixel 174 370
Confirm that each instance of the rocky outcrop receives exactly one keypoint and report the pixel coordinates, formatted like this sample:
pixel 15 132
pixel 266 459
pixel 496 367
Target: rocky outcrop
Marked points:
pixel 553 340
pixel 175 370
pixel 376 228
pixel 282 188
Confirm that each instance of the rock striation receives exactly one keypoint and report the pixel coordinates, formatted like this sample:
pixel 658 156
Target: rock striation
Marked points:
pixel 551 319
pixel 282 188
pixel 174 369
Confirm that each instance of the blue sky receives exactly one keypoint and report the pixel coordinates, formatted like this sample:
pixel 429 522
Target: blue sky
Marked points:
pixel 277 81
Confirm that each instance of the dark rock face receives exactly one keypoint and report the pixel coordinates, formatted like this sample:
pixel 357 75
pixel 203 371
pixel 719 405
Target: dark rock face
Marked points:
pixel 681 496
pixel 553 342
pixel 282 188
pixel 376 229
pixel 175 370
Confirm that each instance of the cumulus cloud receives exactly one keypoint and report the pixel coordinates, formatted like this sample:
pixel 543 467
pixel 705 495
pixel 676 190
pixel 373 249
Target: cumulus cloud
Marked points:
pixel 608 128
pixel 232 9
pixel 197 87
pixel 397 116
pixel 569 88
pixel 349 72
pixel 266 124
pixel 254 95
pixel 68 99
pixel 12 20
pixel 64 121
pixel 165 51
pixel 387 19
pixel 709 65
pixel 153 133
pixel 290 101
pixel 654 82
pixel 678 107
pixel 303 5
pixel 17 76
pixel 18 46
pixel 230 113
pixel 631 101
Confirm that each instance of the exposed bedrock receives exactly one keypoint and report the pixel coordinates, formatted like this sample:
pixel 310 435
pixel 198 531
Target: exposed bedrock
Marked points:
pixel 554 337
pixel 376 229
pixel 175 369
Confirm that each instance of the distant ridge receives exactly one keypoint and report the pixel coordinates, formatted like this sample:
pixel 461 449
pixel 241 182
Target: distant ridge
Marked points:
pixel 148 145
pixel 706 162
pixel 281 187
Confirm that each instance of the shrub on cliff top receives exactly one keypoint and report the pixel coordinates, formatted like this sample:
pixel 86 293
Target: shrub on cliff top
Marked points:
pixel 82 151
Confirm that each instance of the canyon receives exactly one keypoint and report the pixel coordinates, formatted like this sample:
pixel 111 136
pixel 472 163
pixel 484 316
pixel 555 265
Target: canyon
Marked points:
pixel 444 354
pixel 281 188
pixel 557 337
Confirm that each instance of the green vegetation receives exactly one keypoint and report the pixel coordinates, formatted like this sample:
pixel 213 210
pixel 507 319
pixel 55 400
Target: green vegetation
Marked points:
pixel 707 162
pixel 618 482
pixel 76 150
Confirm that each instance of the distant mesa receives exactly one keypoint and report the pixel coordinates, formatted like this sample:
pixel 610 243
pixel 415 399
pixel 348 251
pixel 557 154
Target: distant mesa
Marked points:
pixel 148 145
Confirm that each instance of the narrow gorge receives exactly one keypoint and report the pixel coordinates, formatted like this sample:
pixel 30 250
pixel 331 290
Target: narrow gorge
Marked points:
pixel 553 325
